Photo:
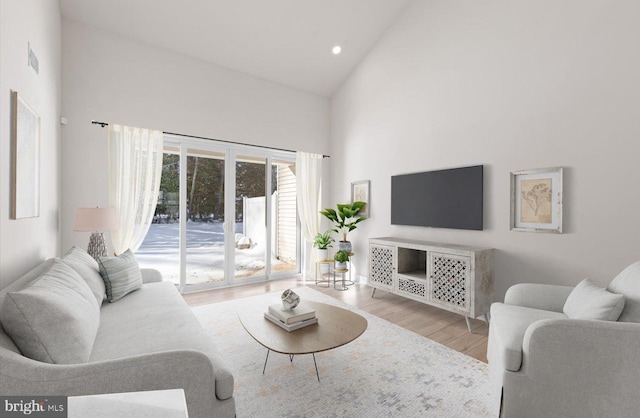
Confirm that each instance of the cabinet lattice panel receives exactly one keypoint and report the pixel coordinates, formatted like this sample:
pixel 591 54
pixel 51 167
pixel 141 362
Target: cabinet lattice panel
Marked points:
pixel 450 280
pixel 382 266
pixel 412 287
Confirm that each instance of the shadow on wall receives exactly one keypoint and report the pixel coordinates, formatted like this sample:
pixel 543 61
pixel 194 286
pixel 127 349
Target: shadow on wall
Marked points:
pixel 509 266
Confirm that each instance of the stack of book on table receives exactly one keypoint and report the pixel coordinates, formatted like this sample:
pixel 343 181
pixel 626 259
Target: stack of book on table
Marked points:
pixel 292 319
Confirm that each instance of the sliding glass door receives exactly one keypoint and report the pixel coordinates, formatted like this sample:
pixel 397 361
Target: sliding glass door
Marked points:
pixel 205 216
pixel 251 244
pixel 226 215
pixel 161 246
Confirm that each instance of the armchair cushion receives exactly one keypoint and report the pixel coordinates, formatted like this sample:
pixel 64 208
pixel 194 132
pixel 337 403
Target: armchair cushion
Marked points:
pixel 508 326
pixel 547 297
pixel 627 283
pixel 588 301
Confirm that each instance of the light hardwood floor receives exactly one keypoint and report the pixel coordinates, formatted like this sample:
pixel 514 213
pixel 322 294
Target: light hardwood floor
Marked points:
pixel 436 324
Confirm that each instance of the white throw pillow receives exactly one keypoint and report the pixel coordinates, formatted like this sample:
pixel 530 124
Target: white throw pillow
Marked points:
pixel 121 275
pixel 588 301
pixel 627 283
pixel 55 318
pixel 87 268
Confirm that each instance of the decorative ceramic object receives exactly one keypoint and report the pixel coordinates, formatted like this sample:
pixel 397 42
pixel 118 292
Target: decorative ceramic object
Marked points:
pixel 345 246
pixel 290 299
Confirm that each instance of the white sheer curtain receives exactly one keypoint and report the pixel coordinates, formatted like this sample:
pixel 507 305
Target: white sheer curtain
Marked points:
pixel 309 185
pixel 135 168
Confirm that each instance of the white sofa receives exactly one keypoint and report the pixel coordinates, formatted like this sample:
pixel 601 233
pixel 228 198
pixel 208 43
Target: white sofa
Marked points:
pixel 148 340
pixel 544 364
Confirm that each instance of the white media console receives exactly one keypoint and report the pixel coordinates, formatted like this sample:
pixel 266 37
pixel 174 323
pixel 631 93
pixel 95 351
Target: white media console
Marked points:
pixel 453 277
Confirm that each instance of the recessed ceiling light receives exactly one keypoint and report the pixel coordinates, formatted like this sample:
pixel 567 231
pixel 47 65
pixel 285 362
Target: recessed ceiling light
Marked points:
pixel 336 50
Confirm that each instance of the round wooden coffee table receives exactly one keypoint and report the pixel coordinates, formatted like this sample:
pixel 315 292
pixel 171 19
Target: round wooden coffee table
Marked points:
pixel 336 327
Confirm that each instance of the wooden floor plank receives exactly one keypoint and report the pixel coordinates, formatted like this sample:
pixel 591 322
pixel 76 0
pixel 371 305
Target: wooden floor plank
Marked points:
pixel 436 324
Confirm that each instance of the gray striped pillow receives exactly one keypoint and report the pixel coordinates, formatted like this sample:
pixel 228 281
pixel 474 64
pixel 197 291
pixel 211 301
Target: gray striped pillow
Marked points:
pixel 121 275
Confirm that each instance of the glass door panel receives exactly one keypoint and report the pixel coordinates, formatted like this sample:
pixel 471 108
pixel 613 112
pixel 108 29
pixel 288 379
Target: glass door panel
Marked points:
pixel 224 216
pixel 161 246
pixel 284 251
pixel 205 212
pixel 251 243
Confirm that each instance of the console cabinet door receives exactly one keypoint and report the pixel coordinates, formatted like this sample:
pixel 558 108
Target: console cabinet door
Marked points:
pixel 381 266
pixel 450 281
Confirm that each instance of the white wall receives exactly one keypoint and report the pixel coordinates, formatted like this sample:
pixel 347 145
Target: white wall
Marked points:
pixel 26 242
pixel 511 85
pixel 113 79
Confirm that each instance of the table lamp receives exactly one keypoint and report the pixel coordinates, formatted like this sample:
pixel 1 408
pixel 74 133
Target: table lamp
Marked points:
pixel 96 220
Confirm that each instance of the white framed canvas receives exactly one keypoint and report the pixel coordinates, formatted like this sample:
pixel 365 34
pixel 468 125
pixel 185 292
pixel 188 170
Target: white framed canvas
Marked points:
pixel 26 159
pixel 360 193
pixel 536 200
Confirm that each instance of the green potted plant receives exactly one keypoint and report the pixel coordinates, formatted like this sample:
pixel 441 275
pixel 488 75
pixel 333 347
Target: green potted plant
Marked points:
pixel 343 220
pixel 322 242
pixel 341 259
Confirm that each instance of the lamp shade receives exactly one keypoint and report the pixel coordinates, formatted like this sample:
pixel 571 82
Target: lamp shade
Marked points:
pixel 96 219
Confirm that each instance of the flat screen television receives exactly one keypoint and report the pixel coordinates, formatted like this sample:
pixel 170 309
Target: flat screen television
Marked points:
pixel 441 199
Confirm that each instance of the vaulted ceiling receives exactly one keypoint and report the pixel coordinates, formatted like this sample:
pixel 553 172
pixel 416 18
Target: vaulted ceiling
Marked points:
pixel 284 41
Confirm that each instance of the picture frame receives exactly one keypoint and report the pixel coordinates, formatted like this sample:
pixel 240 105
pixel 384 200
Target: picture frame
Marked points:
pixel 25 159
pixel 536 200
pixel 360 193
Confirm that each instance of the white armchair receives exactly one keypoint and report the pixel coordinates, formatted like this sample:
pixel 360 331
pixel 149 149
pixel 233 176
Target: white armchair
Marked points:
pixel 544 364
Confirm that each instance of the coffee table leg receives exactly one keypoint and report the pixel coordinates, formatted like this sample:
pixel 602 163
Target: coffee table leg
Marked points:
pixel 316 364
pixel 265 361
pixel 291 359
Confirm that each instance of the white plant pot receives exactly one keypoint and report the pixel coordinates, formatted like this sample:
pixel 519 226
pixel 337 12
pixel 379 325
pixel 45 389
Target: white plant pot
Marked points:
pixel 340 266
pixel 322 255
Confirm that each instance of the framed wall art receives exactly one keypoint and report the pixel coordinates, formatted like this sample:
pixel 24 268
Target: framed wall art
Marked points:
pixel 360 193
pixel 26 159
pixel 536 200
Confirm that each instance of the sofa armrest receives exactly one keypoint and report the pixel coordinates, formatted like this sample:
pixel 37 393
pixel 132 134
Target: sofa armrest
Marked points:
pixel 582 367
pixel 190 370
pixel 546 297
pixel 150 275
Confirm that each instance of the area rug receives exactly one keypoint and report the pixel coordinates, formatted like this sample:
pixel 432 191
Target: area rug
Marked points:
pixel 387 372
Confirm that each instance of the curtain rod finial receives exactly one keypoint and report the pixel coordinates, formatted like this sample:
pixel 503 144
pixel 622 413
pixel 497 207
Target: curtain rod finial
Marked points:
pixel 102 124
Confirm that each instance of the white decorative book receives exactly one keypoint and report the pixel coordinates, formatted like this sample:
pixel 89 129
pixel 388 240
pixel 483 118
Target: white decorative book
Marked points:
pixel 290 327
pixel 300 313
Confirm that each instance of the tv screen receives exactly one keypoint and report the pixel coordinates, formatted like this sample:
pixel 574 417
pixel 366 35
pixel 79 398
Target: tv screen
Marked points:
pixel 441 199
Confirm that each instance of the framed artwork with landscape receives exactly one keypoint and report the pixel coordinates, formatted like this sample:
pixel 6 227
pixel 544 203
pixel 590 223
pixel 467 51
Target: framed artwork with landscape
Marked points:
pixel 536 200
pixel 360 193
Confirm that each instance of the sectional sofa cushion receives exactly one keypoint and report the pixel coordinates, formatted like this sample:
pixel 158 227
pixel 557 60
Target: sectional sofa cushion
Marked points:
pixel 121 275
pixel 87 267
pixel 55 318
pixel 156 319
pixel 627 283
pixel 588 301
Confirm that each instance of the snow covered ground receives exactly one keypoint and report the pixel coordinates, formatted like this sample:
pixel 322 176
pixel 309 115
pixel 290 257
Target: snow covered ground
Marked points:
pixel 205 253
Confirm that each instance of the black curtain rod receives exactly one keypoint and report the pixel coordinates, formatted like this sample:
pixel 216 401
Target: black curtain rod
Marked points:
pixel 103 124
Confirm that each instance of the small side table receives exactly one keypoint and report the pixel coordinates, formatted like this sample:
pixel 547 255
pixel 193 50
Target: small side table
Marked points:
pixel 342 272
pixel 319 264
pixel 331 263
